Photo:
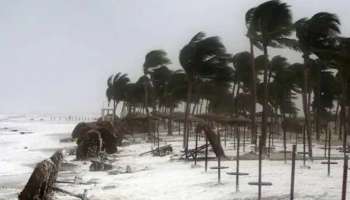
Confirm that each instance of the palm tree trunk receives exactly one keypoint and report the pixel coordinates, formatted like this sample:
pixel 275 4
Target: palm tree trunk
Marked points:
pixel 253 92
pixel 306 106
pixel 187 112
pixel 336 121
pixel 114 111
pixel 146 108
pixel 317 117
pixel 343 113
pixel 170 121
pixel 264 108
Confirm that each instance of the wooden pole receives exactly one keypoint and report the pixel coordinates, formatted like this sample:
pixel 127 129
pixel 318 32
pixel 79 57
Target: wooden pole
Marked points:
pixel 284 146
pixel 325 144
pixel 345 177
pixel 206 154
pixel 244 129
pixel 329 152
pixel 219 160
pixel 196 147
pixel 293 173
pixel 237 162
pixel 260 167
pixel 304 147
pixel 225 135
pixel 158 137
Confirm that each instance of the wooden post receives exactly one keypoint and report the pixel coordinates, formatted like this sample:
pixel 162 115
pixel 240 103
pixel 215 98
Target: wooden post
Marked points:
pixel 237 163
pixel 225 135
pixel 304 147
pixel 234 139
pixel 158 136
pixel 293 173
pixel 345 177
pixel 329 152
pixel 284 146
pixel 206 154
pixel 244 129
pixel 260 168
pixel 325 144
pixel 196 147
pixel 219 160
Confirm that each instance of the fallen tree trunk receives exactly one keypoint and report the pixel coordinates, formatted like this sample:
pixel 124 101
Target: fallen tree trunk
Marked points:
pixel 40 183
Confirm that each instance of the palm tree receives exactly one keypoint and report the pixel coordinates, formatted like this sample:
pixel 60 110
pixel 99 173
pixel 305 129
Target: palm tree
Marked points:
pixel 153 60
pixel 202 57
pixel 270 22
pixel 313 35
pixel 282 90
pixel 115 89
pixel 252 40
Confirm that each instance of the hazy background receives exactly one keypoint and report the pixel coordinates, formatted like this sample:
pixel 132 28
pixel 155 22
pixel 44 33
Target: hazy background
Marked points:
pixel 55 55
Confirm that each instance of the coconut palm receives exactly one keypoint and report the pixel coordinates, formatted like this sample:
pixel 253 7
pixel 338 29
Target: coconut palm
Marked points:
pixel 314 35
pixel 153 60
pixel 271 23
pixel 115 89
pixel 203 57
pixel 252 41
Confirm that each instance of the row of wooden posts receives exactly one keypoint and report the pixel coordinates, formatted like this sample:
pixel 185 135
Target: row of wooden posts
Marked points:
pixel 72 118
pixel 237 173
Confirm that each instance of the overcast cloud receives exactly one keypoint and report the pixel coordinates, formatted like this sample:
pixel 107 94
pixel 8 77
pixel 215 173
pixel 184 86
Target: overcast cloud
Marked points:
pixel 55 55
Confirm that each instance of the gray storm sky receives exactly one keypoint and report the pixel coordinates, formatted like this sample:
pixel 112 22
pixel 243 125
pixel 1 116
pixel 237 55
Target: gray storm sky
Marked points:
pixel 55 55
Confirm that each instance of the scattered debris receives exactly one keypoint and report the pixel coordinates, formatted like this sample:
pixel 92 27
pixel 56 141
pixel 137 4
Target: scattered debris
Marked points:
pixel 97 165
pixel 161 151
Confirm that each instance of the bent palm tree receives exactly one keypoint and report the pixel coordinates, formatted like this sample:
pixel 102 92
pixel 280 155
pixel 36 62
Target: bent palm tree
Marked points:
pixel 314 34
pixel 202 57
pixel 153 60
pixel 270 22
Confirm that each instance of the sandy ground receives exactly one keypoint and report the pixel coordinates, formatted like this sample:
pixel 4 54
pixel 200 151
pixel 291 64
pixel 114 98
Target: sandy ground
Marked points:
pixel 135 177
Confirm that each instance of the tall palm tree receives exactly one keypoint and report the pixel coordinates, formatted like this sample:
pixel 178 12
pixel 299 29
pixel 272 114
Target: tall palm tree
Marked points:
pixel 271 23
pixel 314 35
pixel 252 40
pixel 202 57
pixel 153 60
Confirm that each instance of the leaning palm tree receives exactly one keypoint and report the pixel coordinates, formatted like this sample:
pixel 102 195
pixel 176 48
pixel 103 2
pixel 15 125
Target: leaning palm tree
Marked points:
pixel 252 41
pixel 314 35
pixel 202 57
pixel 153 60
pixel 115 89
pixel 271 23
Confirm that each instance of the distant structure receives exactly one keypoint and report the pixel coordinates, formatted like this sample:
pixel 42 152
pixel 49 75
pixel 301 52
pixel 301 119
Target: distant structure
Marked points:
pixel 105 112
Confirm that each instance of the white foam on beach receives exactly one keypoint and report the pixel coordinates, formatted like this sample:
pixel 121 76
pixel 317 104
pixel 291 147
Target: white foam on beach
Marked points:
pixel 24 141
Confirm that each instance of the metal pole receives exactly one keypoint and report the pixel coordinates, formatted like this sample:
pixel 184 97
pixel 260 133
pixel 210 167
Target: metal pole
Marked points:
pixel 293 173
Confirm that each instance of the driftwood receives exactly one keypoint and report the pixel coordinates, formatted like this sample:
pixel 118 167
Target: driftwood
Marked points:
pixel 79 196
pixel 212 138
pixel 163 150
pixel 192 152
pixel 40 183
